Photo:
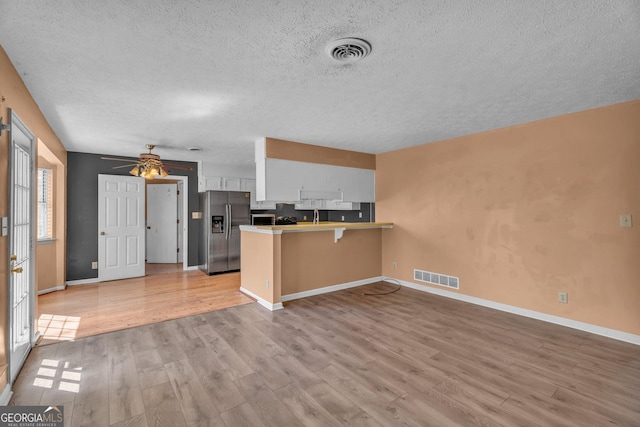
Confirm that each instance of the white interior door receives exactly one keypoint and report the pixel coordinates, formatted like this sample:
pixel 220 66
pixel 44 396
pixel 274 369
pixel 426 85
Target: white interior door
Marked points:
pixel 21 243
pixel 121 232
pixel 162 223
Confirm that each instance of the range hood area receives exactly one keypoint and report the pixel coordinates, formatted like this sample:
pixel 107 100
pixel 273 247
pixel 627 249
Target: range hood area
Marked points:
pixel 313 177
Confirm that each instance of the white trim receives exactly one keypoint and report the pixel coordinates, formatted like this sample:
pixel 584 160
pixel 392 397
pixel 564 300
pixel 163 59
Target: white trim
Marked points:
pixel 263 302
pixel 97 280
pixel 6 394
pixel 562 321
pixel 55 288
pixel 328 289
pixel 82 282
pixel 185 215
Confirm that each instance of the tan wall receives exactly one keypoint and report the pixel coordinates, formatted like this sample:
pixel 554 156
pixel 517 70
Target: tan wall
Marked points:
pixel 524 212
pixel 296 151
pixel 46 253
pixel 14 94
pixel 260 261
pixel 312 260
pixel 46 277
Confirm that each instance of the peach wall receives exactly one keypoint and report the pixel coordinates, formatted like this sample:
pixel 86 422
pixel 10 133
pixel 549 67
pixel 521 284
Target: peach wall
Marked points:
pixel 46 277
pixel 46 253
pixel 14 95
pixel 260 261
pixel 289 150
pixel 524 212
pixel 313 260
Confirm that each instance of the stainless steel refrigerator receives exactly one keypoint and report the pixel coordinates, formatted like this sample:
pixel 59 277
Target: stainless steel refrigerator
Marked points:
pixel 223 212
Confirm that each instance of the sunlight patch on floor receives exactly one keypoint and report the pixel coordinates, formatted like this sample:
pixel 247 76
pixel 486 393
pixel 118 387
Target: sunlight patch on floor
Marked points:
pixel 58 327
pixel 52 374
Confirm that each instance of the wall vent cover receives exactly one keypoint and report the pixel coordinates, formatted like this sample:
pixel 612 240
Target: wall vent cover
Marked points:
pixel 452 282
pixel 348 49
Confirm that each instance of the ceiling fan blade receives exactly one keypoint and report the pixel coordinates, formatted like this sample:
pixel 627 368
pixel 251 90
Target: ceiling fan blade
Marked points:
pixel 124 166
pixel 118 159
pixel 171 165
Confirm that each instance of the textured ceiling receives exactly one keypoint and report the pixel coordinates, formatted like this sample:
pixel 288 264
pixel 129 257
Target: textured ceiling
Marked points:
pixel 112 76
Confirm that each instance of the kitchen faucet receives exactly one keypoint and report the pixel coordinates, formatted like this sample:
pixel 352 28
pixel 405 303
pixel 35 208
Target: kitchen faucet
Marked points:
pixel 316 216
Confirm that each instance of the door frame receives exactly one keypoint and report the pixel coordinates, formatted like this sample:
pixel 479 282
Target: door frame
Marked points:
pixel 185 219
pixel 33 334
pixel 162 232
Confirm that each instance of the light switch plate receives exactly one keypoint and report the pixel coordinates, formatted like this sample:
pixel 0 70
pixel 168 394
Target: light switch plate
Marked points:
pixel 625 220
pixel 5 226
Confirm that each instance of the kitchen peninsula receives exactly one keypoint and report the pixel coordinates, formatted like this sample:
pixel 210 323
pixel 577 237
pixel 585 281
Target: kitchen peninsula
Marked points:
pixel 284 262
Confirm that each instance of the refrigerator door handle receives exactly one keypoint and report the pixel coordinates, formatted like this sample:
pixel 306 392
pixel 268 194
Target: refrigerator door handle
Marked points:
pixel 228 221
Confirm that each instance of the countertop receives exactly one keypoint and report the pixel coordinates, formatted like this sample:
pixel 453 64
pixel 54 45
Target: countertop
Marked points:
pixel 309 226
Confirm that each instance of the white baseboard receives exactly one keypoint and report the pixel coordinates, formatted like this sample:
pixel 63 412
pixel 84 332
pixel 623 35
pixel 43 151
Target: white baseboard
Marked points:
pixel 191 268
pixel 55 288
pixel 5 396
pixel 263 302
pixel 82 282
pixel 328 289
pixel 562 321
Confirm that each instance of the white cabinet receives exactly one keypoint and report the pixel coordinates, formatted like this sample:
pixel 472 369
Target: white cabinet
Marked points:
pixel 327 205
pixel 250 186
pixel 341 206
pixel 211 183
pixel 221 183
pixel 283 180
pixel 310 204
pixel 231 184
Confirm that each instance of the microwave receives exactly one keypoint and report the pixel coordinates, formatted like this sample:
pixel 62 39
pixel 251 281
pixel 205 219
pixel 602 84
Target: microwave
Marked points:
pixel 263 219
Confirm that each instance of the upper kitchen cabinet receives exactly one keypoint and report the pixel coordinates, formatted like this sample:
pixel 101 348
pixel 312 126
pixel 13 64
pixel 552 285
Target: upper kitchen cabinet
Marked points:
pixel 224 177
pixel 221 183
pixel 289 171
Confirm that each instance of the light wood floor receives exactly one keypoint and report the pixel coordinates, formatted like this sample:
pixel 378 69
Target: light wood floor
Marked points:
pixel 408 358
pixel 166 292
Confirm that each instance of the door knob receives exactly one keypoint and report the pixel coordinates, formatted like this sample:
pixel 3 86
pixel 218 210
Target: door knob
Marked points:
pixel 16 270
pixel 102 233
pixel 13 258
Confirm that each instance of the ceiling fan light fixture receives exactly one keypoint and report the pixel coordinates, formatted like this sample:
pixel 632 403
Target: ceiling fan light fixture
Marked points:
pixel 149 165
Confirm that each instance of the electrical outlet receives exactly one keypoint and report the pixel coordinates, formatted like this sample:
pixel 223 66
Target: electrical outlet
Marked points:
pixel 625 220
pixel 343 217
pixel 266 283
pixel 394 265
pixel 359 214
pixel 94 265
pixel 304 217
pixel 563 297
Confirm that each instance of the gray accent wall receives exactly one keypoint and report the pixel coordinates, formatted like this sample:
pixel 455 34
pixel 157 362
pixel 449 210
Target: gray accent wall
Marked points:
pixel 82 210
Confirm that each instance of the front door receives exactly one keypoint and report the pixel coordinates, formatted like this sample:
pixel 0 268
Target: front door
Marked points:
pixel 162 223
pixel 121 232
pixel 21 242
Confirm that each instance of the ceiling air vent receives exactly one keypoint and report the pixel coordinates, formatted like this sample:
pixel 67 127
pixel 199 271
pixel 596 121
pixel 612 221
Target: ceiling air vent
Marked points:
pixel 348 50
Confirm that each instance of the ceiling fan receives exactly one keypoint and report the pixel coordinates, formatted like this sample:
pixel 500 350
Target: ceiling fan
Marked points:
pixel 148 165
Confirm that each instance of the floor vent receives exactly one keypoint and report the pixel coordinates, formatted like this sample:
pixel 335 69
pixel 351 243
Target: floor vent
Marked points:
pixel 437 279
